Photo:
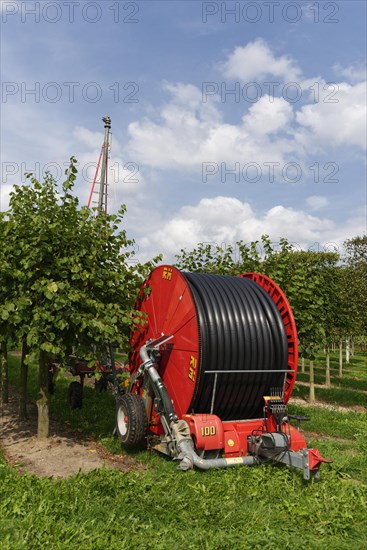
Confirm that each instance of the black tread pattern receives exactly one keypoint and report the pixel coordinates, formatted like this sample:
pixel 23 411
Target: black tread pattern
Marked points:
pixel 240 329
pixel 137 424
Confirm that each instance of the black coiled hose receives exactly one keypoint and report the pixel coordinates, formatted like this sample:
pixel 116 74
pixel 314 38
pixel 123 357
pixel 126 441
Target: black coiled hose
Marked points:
pixel 240 329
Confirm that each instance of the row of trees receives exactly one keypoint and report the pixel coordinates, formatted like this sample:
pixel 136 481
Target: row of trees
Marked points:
pixel 66 280
pixel 327 290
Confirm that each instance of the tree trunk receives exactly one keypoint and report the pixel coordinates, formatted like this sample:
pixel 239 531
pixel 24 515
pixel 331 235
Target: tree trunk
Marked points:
pixel 327 374
pixel 302 364
pixel 4 366
pixel 23 384
pixel 347 351
pixel 42 401
pixel 312 383
pixel 341 357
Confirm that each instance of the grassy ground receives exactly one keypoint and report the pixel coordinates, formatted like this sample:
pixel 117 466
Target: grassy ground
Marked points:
pixel 160 508
pixel 348 390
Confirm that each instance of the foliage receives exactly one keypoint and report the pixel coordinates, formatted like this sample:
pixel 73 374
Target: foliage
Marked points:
pixel 222 260
pixel 65 277
pixel 307 278
pixel 72 281
pixel 355 259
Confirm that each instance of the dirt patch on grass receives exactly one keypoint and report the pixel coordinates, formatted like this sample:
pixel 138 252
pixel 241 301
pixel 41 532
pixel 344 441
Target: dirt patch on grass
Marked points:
pixel 63 454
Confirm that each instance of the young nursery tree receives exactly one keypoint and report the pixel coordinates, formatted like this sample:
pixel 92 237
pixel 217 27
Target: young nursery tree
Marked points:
pixel 73 282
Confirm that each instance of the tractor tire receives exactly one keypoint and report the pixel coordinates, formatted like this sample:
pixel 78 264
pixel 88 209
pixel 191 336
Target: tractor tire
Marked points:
pixel 131 420
pixel 75 395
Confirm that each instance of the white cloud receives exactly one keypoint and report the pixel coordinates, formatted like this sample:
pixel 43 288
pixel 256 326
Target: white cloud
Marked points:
pixel 255 60
pixel 353 73
pixel 316 202
pixel 5 191
pixel 92 140
pixel 192 132
pixel 334 121
pixel 188 131
pixel 227 220
pixel 268 117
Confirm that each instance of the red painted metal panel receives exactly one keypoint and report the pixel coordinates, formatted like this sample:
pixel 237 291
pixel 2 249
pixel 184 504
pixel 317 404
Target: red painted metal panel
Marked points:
pixel 284 308
pixel 166 298
pixel 207 430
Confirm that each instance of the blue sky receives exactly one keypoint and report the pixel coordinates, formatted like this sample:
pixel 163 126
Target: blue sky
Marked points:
pixel 284 154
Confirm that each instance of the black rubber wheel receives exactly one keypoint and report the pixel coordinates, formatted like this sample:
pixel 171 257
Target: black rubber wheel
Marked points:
pixel 131 420
pixel 75 395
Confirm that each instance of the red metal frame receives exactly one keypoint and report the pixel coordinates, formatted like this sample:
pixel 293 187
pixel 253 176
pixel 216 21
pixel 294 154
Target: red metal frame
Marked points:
pixel 210 433
pixel 282 304
pixel 166 299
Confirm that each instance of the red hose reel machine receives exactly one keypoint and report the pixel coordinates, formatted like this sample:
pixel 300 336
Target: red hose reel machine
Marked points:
pixel 212 367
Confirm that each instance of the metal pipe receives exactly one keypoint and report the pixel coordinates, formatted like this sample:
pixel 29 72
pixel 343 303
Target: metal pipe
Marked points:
pixel 143 352
pixel 158 385
pixel 214 392
pixel 248 371
pixel 188 459
pixel 103 186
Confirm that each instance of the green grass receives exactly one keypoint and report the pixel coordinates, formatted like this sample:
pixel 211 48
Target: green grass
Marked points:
pixel 348 382
pixel 334 396
pixel 348 390
pixel 160 508
pixel 356 369
pixel 331 423
pixel 261 507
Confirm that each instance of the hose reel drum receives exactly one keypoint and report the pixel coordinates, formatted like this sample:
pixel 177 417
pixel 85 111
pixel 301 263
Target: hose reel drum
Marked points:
pixel 214 363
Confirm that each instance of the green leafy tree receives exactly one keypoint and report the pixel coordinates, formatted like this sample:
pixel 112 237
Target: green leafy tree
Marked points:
pixel 207 258
pixel 73 282
pixel 300 274
pixel 5 311
pixel 333 310
pixel 222 260
pixel 355 260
